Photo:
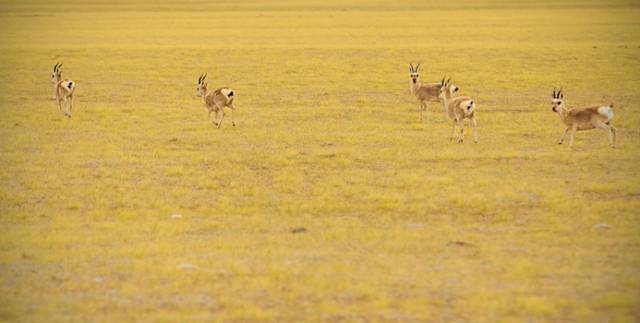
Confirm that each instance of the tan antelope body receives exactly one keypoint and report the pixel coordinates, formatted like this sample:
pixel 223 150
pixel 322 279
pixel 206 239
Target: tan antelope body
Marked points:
pixel 458 108
pixel 216 100
pixel 584 118
pixel 422 91
pixel 64 90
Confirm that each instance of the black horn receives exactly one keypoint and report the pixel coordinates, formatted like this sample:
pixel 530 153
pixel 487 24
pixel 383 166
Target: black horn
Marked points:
pixel 411 68
pixel 417 67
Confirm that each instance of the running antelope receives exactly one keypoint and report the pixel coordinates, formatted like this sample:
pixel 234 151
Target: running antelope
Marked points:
pixel 423 91
pixel 64 89
pixel 458 108
pixel 216 100
pixel 584 118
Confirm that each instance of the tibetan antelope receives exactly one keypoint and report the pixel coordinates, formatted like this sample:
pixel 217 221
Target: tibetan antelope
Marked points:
pixel 584 118
pixel 216 100
pixel 64 89
pixel 422 91
pixel 458 108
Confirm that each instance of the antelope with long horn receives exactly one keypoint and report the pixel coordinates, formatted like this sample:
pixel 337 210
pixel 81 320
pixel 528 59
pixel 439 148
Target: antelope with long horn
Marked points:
pixel 64 90
pixel 458 108
pixel 583 118
pixel 422 91
pixel 216 100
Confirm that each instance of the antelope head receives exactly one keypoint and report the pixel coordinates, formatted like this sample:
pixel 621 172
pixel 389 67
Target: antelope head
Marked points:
pixel 56 76
pixel 557 101
pixel 201 90
pixel 415 75
pixel 447 89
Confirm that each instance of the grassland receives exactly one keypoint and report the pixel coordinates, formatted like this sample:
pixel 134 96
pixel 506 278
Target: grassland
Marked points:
pixel 401 224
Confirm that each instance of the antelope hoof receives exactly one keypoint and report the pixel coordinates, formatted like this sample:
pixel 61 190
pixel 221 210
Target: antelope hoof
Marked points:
pixel 233 124
pixel 460 140
pixel 560 142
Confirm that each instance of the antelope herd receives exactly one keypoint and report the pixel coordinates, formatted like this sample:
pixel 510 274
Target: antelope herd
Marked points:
pixel 459 108
pixel 456 108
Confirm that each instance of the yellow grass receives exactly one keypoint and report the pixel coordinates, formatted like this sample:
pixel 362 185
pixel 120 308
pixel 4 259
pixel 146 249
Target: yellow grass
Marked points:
pixel 401 224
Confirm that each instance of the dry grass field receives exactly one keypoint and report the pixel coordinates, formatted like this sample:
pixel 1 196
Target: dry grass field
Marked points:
pixel 138 209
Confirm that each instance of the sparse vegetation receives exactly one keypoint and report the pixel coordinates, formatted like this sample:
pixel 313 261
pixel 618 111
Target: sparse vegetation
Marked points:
pixel 330 200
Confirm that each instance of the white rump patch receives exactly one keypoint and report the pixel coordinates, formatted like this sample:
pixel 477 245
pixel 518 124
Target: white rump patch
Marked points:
pixel 606 111
pixel 453 89
pixel 69 85
pixel 226 92
pixel 468 106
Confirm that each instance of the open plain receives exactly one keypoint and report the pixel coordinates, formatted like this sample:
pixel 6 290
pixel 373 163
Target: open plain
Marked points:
pixel 330 200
